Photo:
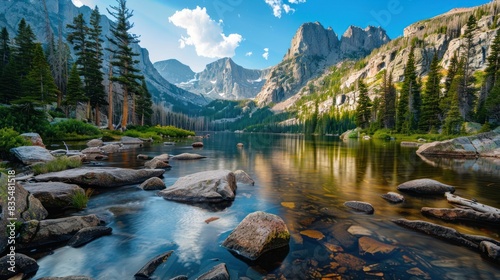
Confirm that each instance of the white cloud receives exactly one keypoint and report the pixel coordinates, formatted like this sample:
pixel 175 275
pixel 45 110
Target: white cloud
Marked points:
pixel 205 34
pixel 77 3
pixel 278 6
pixel 249 54
pixel 265 55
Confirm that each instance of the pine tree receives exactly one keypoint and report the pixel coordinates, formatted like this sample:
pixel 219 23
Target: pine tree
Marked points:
pixel 453 118
pixel 123 55
pixel 467 97
pixel 491 79
pixel 96 76
pixel 389 102
pixel 75 92
pixel 363 109
pixel 4 48
pixel 430 100
pixel 144 105
pixel 408 111
pixel 24 45
pixel 10 82
pixel 492 105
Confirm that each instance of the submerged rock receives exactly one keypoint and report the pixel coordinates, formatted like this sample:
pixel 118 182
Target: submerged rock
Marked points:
pixel 243 177
pixel 393 197
pixel 426 187
pixel 104 177
pixel 22 263
pixel 188 156
pixel 86 235
pixel 152 184
pixel 149 268
pixel 460 214
pixel 54 195
pixel 156 163
pixel 197 144
pixel 207 186
pixel 32 154
pixel 218 272
pixel 373 248
pixel 258 232
pixel 360 206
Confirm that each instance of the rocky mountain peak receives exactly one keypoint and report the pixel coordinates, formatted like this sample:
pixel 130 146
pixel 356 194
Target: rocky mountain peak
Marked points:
pixel 314 40
pixel 357 42
pixel 174 71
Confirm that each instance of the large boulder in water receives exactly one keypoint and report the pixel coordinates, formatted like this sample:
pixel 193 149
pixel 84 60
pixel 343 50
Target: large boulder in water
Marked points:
pixel 218 272
pixel 258 233
pixel 54 195
pixel 360 206
pixel 22 264
pixel 207 186
pixel 188 156
pixel 104 177
pixel 32 154
pixel 426 186
pixel 86 235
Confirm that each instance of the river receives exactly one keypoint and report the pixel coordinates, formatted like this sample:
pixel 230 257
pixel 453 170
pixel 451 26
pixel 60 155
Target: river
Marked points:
pixel 312 177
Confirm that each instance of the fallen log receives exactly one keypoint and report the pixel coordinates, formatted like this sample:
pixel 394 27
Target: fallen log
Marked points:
pixel 462 215
pixel 455 199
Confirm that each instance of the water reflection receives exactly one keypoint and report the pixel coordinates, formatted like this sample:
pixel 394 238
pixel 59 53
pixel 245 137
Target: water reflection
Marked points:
pixel 315 175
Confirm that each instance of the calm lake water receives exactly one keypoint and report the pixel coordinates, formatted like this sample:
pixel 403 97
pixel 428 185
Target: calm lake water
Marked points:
pixel 317 175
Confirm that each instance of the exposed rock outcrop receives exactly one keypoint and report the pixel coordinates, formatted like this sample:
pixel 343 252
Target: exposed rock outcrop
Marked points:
pixel 54 196
pixel 86 235
pixel 243 177
pixel 218 272
pixel 425 187
pixel 461 215
pixel 34 138
pixel 203 187
pixel 32 154
pixel 257 233
pixel 174 71
pixel 149 268
pixel 22 265
pixel 152 184
pixel 104 177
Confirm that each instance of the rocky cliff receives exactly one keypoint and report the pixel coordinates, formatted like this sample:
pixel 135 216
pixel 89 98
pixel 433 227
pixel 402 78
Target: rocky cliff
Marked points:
pixel 174 71
pixel 224 79
pixel 313 50
pixel 60 13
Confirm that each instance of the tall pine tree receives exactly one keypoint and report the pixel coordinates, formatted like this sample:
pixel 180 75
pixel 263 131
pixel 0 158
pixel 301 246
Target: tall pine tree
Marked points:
pixel 144 105
pixel 453 118
pixel 75 92
pixel 389 102
pixel 4 48
pixel 123 55
pixel 96 76
pixel 430 100
pixel 408 111
pixel 467 97
pixel 24 46
pixel 363 109
pixel 491 80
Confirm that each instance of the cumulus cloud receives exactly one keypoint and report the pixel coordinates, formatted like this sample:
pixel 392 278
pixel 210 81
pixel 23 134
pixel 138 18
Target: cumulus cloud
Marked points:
pixel 278 6
pixel 77 3
pixel 265 55
pixel 205 34
pixel 249 54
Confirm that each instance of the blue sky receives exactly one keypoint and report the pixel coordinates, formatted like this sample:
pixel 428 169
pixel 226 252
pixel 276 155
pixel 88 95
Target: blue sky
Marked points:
pixel 257 33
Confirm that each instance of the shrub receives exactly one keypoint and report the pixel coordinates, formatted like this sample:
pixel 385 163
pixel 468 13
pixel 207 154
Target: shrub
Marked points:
pixel 9 138
pixel 58 164
pixel 382 134
pixel 72 130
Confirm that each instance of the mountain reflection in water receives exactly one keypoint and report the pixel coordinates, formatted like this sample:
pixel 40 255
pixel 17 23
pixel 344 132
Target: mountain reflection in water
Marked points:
pixel 313 176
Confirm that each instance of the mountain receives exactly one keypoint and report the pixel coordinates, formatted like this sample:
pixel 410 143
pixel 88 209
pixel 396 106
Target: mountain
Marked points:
pixel 60 13
pixel 174 71
pixel 221 79
pixel 313 49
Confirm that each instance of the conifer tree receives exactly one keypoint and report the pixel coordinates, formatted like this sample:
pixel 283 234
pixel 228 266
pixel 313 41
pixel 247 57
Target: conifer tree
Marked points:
pixel 389 102
pixel 75 92
pixel 492 105
pixel 467 97
pixel 96 76
pixel 491 80
pixel 24 45
pixel 453 118
pixel 4 48
pixel 408 111
pixel 144 105
pixel 430 99
pixel 363 109
pixel 123 55
pixel 10 82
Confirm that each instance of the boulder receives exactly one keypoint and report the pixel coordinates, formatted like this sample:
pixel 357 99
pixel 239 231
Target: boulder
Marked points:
pixel 462 215
pixel 92 150
pixel 32 154
pixel 393 197
pixel 207 186
pixel 259 232
pixel 218 272
pixel 104 177
pixel 34 138
pixel 426 187
pixel 53 231
pixel 22 263
pixel 86 235
pixel 163 157
pixel 360 206
pixel 180 277
pixel 95 143
pixel 54 195
pixel 77 277
pixel 243 177
pixel 126 140
pixel 373 248
pixel 27 208
pixel 188 156
pixel 156 163
pixel 491 250
pixel 197 144
pixel 142 157
pixel 152 184
pixel 110 148
pixel 149 268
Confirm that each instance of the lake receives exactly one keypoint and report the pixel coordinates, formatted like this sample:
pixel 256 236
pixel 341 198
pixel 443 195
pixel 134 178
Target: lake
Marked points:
pixel 304 180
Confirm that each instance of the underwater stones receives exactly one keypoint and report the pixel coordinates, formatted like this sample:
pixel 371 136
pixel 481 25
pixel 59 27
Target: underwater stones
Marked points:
pixel 360 206
pixel 393 197
pixel 86 235
pixel 149 268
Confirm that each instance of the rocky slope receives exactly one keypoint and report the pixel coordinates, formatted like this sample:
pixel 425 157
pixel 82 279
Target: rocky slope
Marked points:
pixel 61 13
pixel 222 79
pixel 174 71
pixel 314 49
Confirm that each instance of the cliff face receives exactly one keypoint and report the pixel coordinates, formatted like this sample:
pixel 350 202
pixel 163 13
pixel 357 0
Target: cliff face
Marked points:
pixel 61 13
pixel 222 79
pixel 174 71
pixel 313 49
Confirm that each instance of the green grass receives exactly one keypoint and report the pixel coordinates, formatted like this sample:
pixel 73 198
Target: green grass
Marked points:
pixel 59 164
pixel 79 200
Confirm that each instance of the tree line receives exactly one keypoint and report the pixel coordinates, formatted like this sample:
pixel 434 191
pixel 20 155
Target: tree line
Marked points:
pixel 35 78
pixel 436 106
